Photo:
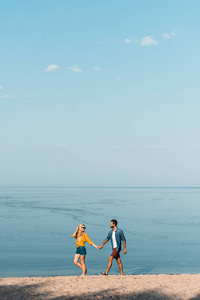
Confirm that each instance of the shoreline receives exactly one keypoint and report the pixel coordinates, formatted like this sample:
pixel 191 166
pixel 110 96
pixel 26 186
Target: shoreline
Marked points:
pixel 154 287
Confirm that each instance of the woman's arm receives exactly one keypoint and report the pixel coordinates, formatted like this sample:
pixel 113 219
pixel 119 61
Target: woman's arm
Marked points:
pixel 90 242
pixel 75 232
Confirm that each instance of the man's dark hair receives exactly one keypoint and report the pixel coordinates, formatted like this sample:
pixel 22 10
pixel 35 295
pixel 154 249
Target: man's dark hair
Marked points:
pixel 114 222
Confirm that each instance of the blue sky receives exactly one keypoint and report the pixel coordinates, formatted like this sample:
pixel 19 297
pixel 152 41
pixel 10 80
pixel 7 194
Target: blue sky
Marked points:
pixel 99 93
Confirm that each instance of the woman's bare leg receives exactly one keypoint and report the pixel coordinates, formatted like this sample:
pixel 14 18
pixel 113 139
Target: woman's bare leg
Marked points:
pixel 76 258
pixel 83 264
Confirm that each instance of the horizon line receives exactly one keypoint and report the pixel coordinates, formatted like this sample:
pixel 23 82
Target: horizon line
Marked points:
pixel 102 187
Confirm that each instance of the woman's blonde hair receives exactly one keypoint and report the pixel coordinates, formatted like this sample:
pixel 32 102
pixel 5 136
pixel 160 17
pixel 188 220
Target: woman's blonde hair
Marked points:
pixel 79 233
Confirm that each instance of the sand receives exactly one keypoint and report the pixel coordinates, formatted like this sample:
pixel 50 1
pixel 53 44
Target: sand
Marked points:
pixel 102 287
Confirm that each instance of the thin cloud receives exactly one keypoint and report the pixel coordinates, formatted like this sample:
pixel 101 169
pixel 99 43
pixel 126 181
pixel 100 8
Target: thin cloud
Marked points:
pixel 51 68
pixel 112 147
pixel 153 147
pixel 47 146
pixel 2 87
pixel 127 41
pixel 29 96
pixel 61 146
pixel 5 96
pixel 75 69
pixel 116 147
pixel 168 36
pixel 148 41
pixel 97 69
pixel 54 146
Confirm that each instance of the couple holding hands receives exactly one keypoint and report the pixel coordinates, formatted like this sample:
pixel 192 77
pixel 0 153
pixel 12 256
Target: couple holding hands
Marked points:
pixel 116 236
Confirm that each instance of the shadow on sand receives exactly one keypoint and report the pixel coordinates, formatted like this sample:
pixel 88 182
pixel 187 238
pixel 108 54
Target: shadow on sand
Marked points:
pixel 25 292
pixel 109 294
pixel 40 292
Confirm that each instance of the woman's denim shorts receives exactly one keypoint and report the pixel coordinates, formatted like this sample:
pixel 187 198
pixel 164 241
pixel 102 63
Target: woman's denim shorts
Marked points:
pixel 81 250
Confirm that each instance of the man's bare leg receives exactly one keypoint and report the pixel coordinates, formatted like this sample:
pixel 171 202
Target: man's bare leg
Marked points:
pixel 120 265
pixel 109 264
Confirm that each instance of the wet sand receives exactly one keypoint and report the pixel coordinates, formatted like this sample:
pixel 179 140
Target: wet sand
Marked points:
pixel 152 287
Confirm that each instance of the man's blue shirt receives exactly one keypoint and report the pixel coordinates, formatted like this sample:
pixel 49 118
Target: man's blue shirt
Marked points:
pixel 119 235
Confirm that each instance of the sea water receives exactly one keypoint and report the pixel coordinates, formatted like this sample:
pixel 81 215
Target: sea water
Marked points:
pixel 161 225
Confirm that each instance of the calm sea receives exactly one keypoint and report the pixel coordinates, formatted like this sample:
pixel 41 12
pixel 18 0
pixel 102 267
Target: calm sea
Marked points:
pixel 161 225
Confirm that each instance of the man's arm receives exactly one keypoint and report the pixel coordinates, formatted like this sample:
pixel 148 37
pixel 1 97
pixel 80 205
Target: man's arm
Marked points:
pixel 124 244
pixel 104 242
pixel 124 241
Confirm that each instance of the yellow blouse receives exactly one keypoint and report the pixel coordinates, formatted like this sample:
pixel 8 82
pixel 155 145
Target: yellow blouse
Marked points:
pixel 83 240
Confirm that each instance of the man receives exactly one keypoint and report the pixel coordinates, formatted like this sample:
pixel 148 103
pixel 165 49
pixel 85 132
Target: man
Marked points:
pixel 116 236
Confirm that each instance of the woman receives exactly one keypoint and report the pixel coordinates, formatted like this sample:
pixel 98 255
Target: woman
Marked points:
pixel 81 238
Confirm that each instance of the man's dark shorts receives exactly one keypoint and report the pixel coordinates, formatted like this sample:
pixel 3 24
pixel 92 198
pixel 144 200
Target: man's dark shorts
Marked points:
pixel 115 253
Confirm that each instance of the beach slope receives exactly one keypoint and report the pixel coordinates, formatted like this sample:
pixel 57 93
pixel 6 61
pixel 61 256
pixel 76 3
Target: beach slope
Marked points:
pixel 152 287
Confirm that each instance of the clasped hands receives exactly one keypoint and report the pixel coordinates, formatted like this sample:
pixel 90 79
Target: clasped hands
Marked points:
pixel 100 247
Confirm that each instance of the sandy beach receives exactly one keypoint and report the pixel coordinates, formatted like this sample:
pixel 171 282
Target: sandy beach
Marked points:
pixel 156 287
